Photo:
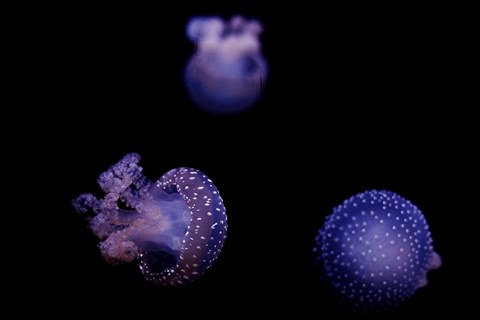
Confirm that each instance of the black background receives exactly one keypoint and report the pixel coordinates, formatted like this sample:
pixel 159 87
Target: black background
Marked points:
pixel 354 100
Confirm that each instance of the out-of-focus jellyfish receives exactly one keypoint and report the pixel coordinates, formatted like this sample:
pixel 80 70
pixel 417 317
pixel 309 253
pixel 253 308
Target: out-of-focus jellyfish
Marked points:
pixel 227 72
pixel 175 228
pixel 375 250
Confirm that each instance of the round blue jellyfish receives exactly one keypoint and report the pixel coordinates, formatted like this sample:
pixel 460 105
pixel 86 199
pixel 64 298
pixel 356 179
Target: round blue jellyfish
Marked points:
pixel 175 228
pixel 227 72
pixel 375 250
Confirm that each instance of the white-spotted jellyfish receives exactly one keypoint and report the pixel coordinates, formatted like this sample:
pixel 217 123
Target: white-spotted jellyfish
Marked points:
pixel 174 228
pixel 375 250
pixel 227 72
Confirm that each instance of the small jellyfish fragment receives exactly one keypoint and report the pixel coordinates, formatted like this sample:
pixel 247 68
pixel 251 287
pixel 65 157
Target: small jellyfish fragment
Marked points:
pixel 375 250
pixel 174 228
pixel 227 72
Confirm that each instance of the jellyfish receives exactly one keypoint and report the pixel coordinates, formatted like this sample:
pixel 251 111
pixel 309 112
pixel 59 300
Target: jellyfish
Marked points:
pixel 375 250
pixel 173 228
pixel 227 72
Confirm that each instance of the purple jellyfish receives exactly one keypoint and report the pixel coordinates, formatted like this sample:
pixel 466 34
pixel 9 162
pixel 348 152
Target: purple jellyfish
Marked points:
pixel 375 250
pixel 175 228
pixel 226 73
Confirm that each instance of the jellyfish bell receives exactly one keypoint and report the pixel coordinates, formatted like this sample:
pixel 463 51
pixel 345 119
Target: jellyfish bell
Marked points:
pixel 175 228
pixel 222 88
pixel 375 250
pixel 227 72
